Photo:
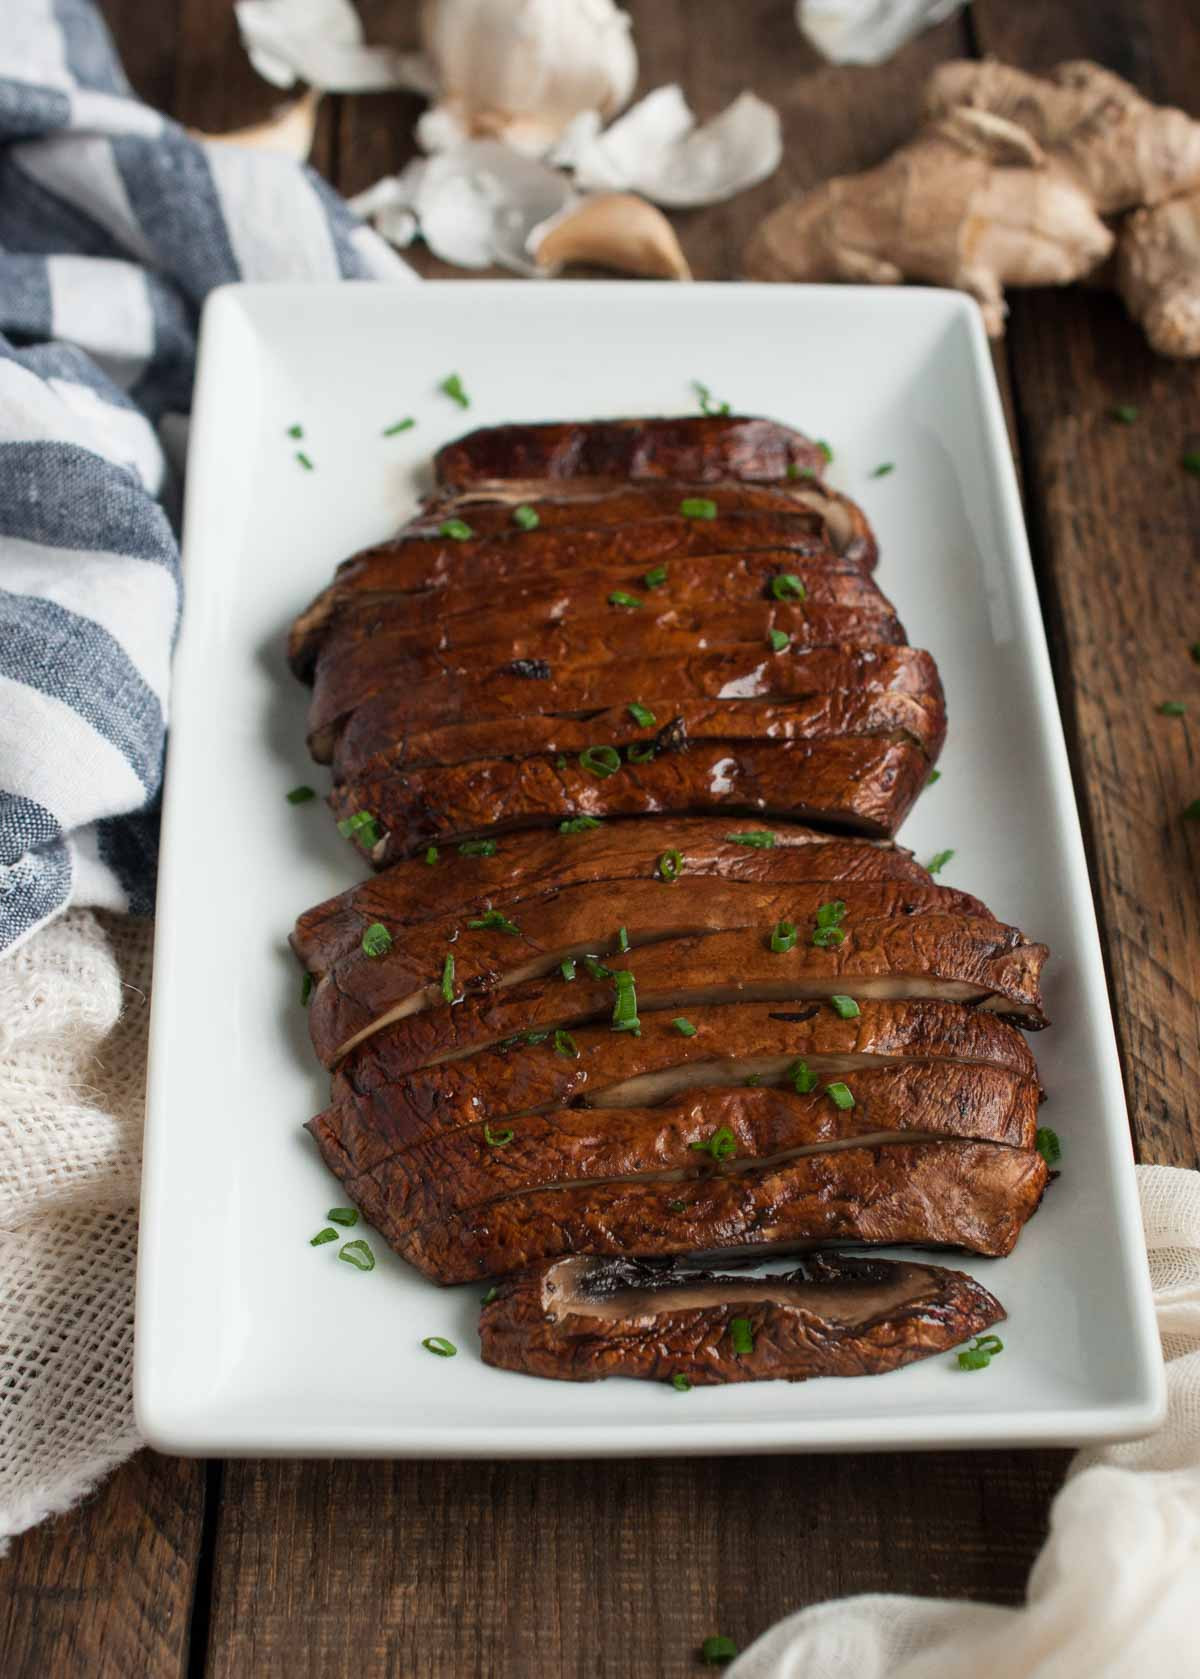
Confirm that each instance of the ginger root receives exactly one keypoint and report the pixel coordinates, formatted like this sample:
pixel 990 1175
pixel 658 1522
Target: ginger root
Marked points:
pixel 1121 149
pixel 971 202
pixel 1158 273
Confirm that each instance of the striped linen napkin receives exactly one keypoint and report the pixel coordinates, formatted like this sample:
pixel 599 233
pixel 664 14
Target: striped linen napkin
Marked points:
pixel 115 224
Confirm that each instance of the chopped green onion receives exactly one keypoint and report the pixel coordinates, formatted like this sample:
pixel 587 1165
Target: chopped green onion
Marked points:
pixel 358 1254
pixel 1125 412
pixel 783 937
pixel 564 1044
pixel 641 754
pixel 306 990
pixel 680 1383
pixel 846 1007
pixel 824 448
pixel 347 1216
pixel 1168 708
pixel 669 866
pixel 295 431
pixel 1048 1145
pixel 644 718
pixel 619 597
pixel 398 427
pixel 980 1353
pixel 705 398
pixel 759 838
pixel 431 856
pixel 795 470
pixel 718 1650
pixel 676 1206
pixel 939 861
pixel 840 1095
pixel 304 460
pixel 495 919
pixel 753 1082
pixel 361 827
pixel 457 530
pixel 321 1237
pixel 698 507
pixel 831 913
pixel 438 1344
pixel 655 577
pixel 1191 812
pixel 825 937
pixel 526 517
pixel 452 386
pixel 477 848
pixel 300 795
pixel 883 470
pixel 600 761
pixel 934 775
pixel 579 825
pixel 567 968
pixel 722 1145
pixel 491 1295
pixel 497 1139
pixel 742 1336
pixel 683 1026
pixel 597 969
pixel 448 977
pixel 622 939
pixel 537 1037
pixel 625 1015
pixel 803 1078
pixel 785 585
pixel 376 941
pixel 778 639
pixel 1196 652
pixel 1190 462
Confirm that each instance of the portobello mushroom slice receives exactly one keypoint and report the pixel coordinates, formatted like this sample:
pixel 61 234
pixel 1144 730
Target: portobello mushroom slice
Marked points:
pixel 581 1319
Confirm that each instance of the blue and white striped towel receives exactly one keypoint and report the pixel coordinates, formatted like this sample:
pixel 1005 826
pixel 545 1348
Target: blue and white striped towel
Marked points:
pixel 114 226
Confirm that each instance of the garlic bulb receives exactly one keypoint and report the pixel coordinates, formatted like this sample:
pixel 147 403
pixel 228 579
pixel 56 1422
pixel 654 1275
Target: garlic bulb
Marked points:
pixel 520 70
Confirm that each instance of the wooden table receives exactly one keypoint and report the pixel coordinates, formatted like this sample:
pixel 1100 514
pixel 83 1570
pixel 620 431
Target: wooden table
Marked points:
pixel 502 1571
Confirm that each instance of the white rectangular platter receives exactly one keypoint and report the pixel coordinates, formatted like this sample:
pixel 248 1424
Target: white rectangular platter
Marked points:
pixel 251 1341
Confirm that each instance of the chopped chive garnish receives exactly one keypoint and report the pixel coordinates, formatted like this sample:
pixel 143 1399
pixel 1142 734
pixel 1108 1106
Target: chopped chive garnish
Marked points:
pixel 718 1650
pixel 579 825
pixel 683 1026
pixel 655 577
pixel 376 941
pixel 306 990
pixel 795 470
pixel 321 1237
pixel 753 1082
pixel 625 1015
pixel 742 1336
pixel 1190 462
pixel 778 639
pixel 785 585
pixel 491 1295
pixel 300 795
pixel 840 1095
pixel 934 775
pixel 1048 1145
pixel 641 754
pixel 347 1216
pixel 828 930
pixel 676 1206
pixel 803 1078
pixel 600 761
pixel 358 1254
pixel 706 400
pixel 883 469
pixel 567 968
pixel 493 918
pixel 564 1044
pixel 1168 708
pixel 644 718
pixel 1191 813
pixel 497 1139
pixel 619 597
pixel 597 969
pixel 526 517
pixel 438 1344
pixel 622 939
pixel 431 855
pixel 1125 412
pixel 477 848
pixel 698 507
pixel 398 427
pixel 304 460
pixel 938 861
pixel 295 431
pixel 448 977
pixel 824 448
pixel 759 838
pixel 452 386
pixel 783 937
pixel 980 1353
pixel 846 1007
pixel 722 1145
pixel 669 866
pixel 361 827
pixel 537 1037
pixel 457 530
pixel 680 1383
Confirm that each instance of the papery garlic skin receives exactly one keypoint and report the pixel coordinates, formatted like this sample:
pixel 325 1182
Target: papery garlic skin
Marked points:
pixel 520 70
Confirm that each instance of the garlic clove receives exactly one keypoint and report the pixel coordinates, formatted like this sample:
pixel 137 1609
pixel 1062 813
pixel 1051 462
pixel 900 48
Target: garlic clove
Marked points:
pixel 290 131
pixel 321 42
pixel 610 230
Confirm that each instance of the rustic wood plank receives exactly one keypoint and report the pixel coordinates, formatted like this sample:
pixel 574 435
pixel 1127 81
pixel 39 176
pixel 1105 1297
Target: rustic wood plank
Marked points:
pixel 1115 521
